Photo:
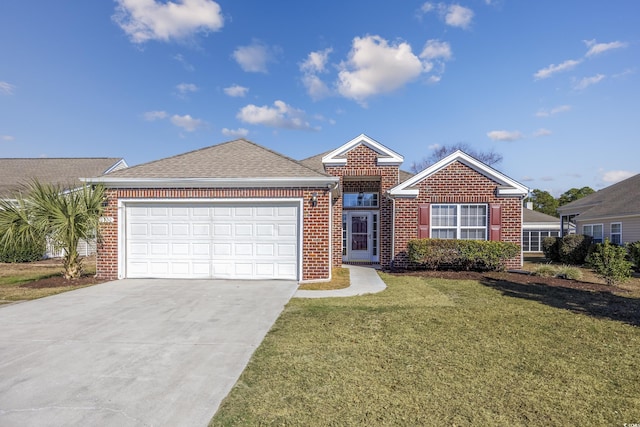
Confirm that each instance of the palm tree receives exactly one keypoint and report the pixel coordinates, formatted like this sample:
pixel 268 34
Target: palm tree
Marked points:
pixel 63 217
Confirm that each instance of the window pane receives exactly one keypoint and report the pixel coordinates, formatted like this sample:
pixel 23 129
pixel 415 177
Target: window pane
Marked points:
pixel 444 216
pixel 473 234
pixel 352 200
pixel 444 233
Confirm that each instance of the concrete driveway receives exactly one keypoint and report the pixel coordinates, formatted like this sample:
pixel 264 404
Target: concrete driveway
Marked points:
pixel 132 352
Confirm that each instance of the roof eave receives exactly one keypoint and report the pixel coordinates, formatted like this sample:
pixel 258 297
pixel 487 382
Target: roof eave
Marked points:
pixel 113 182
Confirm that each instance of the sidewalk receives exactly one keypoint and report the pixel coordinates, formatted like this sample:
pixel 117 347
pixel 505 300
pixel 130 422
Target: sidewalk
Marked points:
pixel 364 280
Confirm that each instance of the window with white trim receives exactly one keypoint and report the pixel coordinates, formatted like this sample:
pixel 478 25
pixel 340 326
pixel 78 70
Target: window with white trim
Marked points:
pixel 593 230
pixel 357 200
pixel 616 233
pixel 459 221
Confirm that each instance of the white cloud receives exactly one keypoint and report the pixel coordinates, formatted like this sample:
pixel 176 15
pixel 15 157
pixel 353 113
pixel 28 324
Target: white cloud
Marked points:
pixel 458 16
pixel 145 20
pixel 7 138
pixel 434 146
pixel 612 177
pixel 435 49
pixel 155 115
pixel 316 88
pixel 186 122
pixel 185 88
pixel 453 15
pixel 547 72
pixel 553 111
pixel 527 178
pixel 255 57
pixel 547 178
pixel 236 91
pixel 235 133
pixel 598 48
pixel 505 135
pixel 315 63
pixel 374 67
pixel 588 81
pixel 6 88
pixel 280 115
pixel 542 132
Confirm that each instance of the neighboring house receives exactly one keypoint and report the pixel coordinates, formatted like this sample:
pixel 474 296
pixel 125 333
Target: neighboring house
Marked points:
pixel 535 227
pixel 611 213
pixel 17 173
pixel 239 210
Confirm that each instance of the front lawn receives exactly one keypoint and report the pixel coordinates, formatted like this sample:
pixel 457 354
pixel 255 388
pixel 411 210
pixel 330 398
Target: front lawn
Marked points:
pixel 431 351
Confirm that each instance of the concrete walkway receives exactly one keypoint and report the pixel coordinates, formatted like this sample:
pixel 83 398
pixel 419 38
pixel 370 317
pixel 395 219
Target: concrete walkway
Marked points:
pixel 364 280
pixel 132 352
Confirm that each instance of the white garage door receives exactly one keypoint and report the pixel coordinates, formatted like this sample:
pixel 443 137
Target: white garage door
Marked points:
pixel 235 241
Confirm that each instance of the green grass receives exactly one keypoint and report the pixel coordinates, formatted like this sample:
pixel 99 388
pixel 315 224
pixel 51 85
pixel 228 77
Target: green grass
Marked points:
pixel 340 279
pixel 442 352
pixel 14 276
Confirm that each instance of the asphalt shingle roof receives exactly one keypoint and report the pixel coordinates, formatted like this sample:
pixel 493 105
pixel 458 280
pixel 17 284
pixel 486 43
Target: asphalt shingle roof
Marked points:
pixel 531 216
pixel 234 159
pixel 66 172
pixel 620 199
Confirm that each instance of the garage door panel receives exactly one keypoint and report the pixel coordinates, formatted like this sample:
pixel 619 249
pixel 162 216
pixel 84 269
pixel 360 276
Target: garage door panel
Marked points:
pixel 223 241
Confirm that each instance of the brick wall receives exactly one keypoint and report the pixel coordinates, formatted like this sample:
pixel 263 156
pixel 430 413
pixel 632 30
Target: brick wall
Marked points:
pixel 457 183
pixel 315 243
pixel 362 163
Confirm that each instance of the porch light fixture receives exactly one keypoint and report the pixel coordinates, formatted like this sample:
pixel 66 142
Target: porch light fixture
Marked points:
pixel 314 199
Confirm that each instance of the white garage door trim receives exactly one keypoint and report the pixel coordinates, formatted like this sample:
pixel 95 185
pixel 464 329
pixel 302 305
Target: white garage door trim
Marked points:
pixel 124 204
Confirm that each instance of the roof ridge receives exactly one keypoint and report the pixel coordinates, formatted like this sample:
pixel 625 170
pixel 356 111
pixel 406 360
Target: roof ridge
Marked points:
pixel 298 162
pixel 175 156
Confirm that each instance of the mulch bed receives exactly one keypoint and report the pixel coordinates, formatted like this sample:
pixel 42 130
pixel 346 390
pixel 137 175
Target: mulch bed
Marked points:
pixel 518 278
pixel 61 282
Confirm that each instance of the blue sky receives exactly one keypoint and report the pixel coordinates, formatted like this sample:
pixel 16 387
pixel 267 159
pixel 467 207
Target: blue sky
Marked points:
pixel 553 86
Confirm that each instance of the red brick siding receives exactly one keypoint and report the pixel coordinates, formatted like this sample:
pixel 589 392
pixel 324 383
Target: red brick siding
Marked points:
pixel 315 243
pixel 457 183
pixel 362 162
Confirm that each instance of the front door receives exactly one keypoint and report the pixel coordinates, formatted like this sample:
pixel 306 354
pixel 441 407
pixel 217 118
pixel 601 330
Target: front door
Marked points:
pixel 359 236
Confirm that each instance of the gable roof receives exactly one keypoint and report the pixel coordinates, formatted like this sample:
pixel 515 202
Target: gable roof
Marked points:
pixel 236 163
pixel 386 156
pixel 507 186
pixel 620 199
pixel 65 172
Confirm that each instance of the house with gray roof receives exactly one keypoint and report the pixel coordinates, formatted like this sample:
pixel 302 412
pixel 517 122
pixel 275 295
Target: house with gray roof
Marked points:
pixel 611 213
pixel 239 210
pixel 17 173
pixel 535 227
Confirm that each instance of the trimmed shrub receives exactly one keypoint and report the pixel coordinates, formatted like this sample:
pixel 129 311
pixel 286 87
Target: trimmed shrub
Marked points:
pixel 634 254
pixel 574 249
pixel 477 255
pixel 610 262
pixel 550 248
pixel 27 252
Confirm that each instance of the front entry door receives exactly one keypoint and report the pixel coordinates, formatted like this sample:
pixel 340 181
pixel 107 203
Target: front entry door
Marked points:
pixel 359 239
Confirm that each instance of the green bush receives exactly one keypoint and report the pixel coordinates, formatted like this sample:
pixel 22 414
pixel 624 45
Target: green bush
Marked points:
pixel 550 248
pixel 634 254
pixel 545 271
pixel 27 252
pixel 460 254
pixel 568 272
pixel 574 248
pixel 610 262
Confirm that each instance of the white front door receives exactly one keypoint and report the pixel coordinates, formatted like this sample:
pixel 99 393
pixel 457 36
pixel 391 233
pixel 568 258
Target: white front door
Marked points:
pixel 359 236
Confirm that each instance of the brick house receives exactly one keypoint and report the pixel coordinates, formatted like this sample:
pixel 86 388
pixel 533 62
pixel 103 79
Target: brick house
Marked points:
pixel 239 210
